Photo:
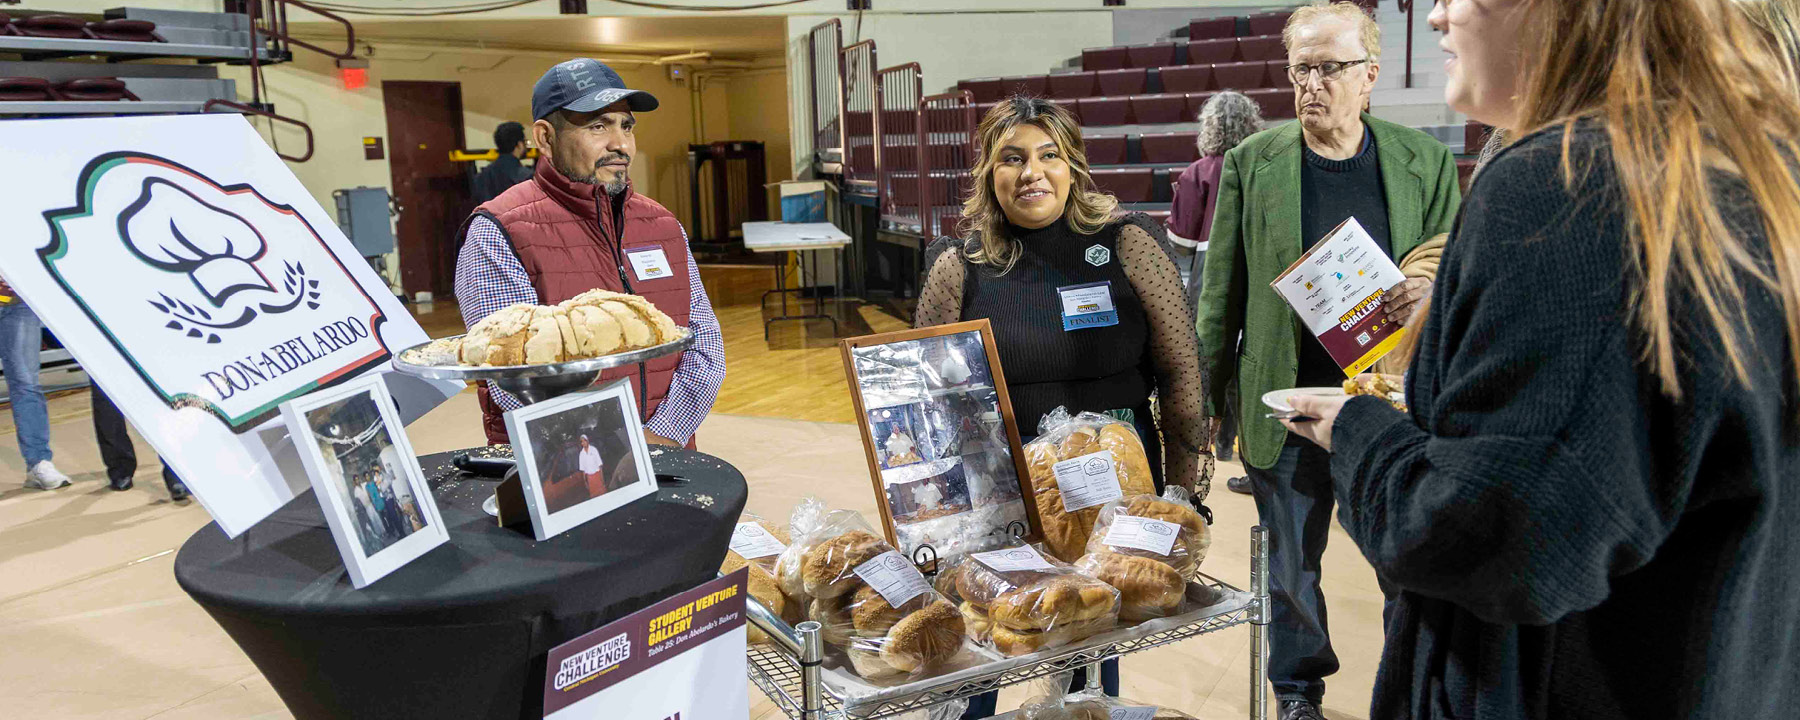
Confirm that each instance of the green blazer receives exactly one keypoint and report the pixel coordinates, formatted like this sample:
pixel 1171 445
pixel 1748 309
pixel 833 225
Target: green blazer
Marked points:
pixel 1256 236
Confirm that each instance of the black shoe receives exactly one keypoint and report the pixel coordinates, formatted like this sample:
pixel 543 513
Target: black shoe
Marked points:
pixel 121 484
pixel 1299 710
pixel 178 491
pixel 1224 453
pixel 1239 485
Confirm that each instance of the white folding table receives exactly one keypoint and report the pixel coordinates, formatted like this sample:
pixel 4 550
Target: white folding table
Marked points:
pixel 799 238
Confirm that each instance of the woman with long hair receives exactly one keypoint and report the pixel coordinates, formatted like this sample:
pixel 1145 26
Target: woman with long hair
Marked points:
pixel 1590 510
pixel 1036 228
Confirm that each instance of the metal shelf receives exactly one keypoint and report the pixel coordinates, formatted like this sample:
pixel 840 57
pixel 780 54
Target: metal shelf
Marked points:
pixel 32 46
pixel 108 107
pixel 796 689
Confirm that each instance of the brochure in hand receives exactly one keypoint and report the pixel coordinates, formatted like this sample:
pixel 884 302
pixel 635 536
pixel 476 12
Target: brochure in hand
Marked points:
pixel 1338 288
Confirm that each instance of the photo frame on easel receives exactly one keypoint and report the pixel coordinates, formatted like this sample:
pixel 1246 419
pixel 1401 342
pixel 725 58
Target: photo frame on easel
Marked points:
pixel 941 440
pixel 580 456
pixel 366 477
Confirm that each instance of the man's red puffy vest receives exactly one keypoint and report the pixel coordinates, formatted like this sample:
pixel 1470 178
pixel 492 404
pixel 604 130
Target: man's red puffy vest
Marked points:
pixel 568 236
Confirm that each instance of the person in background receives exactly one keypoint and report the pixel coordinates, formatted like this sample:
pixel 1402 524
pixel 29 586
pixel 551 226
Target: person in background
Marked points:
pixel 21 341
pixel 1226 119
pixel 119 453
pixel 1281 191
pixel 591 467
pixel 1588 511
pixel 579 225
pixel 1037 227
pixel 506 170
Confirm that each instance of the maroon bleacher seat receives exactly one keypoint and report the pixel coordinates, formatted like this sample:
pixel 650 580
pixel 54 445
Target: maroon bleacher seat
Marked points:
pixel 1269 23
pixel 25 89
pixel 94 90
pixel 1262 47
pixel 52 26
pixel 1161 217
pixel 122 30
pixel 1107 58
pixel 984 89
pixel 862 157
pixel 1210 52
pixel 1158 109
pixel 1175 147
pixel 1212 28
pixel 1105 149
pixel 982 109
pixel 1475 135
pixel 1196 101
pixel 1187 78
pixel 1069 86
pixel 1131 184
pixel 904 188
pixel 1131 81
pixel 1239 76
pixel 1275 104
pixel 6 27
pixel 1149 56
pixel 900 158
pixel 1465 172
pixel 1277 75
pixel 1028 85
pixel 1102 111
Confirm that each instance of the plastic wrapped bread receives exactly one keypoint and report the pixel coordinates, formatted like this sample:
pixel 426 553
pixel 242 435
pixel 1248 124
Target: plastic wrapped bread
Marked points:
pixel 870 600
pixel 1094 706
pixel 1018 600
pixel 762 583
pixel 1066 519
pixel 1147 547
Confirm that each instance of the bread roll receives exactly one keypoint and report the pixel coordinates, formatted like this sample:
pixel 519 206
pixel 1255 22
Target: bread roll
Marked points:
pixel 1013 642
pixel 828 569
pixel 1147 588
pixel 869 662
pixel 833 620
pixel 871 614
pixel 1128 457
pixel 1065 533
pixel 976 622
pixel 1059 600
pixel 1191 542
pixel 924 638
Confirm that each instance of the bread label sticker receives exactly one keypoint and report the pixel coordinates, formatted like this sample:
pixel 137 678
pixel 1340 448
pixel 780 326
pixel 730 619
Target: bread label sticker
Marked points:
pixel 894 577
pixel 1088 480
pixel 1013 559
pixel 751 541
pixel 1132 713
pixel 649 264
pixel 1143 533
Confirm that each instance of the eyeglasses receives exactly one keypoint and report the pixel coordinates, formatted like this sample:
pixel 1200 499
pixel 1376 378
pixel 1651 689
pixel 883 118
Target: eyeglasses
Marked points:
pixel 1328 70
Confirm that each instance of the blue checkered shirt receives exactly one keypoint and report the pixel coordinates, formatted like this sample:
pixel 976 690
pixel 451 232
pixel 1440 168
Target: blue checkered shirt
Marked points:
pixel 490 277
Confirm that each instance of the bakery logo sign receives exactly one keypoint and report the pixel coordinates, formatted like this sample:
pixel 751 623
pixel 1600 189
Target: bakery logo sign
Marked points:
pixel 1097 466
pixel 598 659
pixel 221 297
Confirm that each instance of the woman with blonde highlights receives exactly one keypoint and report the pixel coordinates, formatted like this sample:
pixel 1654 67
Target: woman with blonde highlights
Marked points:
pixel 1087 309
pixel 1589 512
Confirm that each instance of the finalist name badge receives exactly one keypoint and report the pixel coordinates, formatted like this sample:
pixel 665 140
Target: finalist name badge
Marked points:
pixel 1088 306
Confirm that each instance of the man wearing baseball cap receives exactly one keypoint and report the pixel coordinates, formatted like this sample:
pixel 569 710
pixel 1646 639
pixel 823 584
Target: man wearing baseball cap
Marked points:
pixel 578 225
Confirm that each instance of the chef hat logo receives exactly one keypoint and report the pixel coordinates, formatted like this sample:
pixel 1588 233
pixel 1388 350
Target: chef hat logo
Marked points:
pixel 894 562
pixel 171 229
pixel 1156 528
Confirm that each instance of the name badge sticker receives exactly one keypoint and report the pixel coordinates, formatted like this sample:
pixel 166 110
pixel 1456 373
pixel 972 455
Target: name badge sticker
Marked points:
pixel 649 264
pixel 1088 306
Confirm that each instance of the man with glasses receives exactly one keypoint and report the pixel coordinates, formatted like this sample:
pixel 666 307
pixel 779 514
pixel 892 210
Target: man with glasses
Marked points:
pixel 1283 190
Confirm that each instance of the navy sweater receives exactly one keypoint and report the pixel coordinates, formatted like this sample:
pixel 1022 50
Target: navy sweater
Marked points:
pixel 1569 542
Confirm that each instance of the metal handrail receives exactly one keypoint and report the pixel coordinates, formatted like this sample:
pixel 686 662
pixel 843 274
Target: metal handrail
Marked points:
pixel 1406 6
pixel 278 30
pixel 831 33
pixel 242 108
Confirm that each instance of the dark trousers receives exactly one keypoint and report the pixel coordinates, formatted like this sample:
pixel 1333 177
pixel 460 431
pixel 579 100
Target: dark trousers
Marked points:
pixel 983 705
pixel 1294 498
pixel 114 435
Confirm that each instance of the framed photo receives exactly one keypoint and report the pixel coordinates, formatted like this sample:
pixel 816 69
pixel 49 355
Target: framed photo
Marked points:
pixel 942 443
pixel 366 477
pixel 580 456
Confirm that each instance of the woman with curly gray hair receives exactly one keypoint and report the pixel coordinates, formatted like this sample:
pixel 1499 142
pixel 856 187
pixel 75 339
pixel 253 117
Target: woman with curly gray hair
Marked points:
pixel 1225 121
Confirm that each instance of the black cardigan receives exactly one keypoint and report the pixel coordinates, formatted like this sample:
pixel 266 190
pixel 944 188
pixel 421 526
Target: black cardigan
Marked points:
pixel 1568 541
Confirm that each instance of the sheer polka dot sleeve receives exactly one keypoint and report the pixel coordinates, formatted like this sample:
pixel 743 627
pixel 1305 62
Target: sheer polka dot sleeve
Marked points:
pixel 941 294
pixel 1174 349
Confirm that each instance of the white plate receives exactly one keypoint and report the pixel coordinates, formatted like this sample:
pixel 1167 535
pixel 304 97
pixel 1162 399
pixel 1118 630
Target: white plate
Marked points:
pixel 1277 400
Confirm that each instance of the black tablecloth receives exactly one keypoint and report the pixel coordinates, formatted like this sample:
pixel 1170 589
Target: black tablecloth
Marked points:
pixel 462 631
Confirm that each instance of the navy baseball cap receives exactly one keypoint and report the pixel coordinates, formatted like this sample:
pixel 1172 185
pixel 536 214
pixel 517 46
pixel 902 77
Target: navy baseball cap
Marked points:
pixel 584 85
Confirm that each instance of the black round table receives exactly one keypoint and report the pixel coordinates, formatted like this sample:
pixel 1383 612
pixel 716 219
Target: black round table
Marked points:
pixel 462 631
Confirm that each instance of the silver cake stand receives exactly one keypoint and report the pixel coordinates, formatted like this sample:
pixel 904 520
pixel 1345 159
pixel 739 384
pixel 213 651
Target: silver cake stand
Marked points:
pixel 537 383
